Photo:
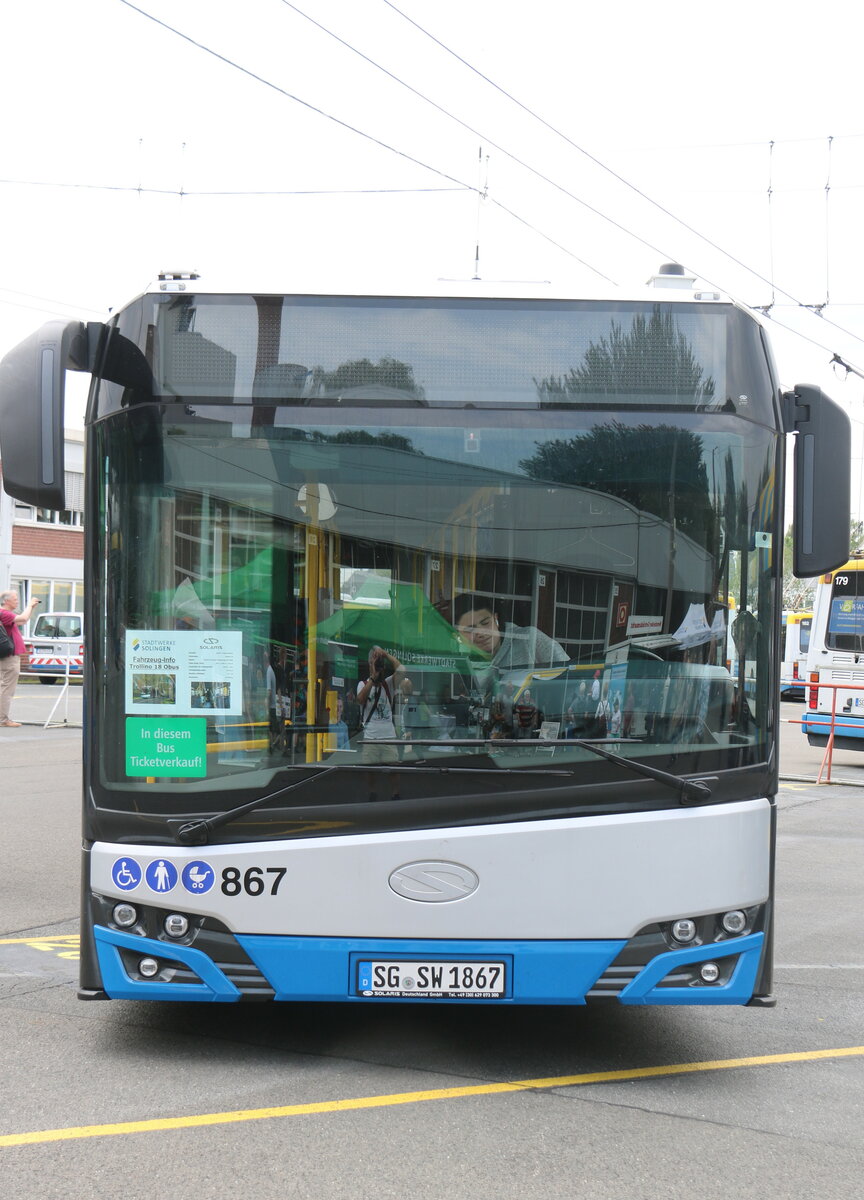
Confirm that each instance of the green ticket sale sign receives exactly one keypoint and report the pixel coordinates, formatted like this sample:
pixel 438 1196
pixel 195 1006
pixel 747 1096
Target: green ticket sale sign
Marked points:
pixel 171 746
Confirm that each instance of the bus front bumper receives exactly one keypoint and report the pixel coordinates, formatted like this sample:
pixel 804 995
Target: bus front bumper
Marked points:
pixel 332 969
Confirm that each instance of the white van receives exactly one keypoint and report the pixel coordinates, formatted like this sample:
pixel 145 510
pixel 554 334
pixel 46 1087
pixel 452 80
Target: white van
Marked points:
pixel 57 639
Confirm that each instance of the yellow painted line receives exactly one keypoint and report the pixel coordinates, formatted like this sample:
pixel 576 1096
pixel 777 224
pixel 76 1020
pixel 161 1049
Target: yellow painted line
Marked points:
pixel 160 1124
pixel 67 939
pixel 64 945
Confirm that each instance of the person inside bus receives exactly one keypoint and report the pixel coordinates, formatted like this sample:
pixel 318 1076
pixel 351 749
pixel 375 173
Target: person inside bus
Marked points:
pixel 501 645
pixel 376 696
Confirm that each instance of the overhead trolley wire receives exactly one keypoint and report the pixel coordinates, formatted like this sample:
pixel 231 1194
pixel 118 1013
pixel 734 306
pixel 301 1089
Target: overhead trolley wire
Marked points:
pixel 290 96
pixel 468 187
pixel 478 133
pixel 621 179
pixel 353 128
pixel 181 191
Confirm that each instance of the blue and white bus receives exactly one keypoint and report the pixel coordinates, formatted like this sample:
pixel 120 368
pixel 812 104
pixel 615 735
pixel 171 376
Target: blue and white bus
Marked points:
pixel 794 644
pixel 289 496
pixel 835 660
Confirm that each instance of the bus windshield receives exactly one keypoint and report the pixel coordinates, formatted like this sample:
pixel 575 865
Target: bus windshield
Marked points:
pixel 415 352
pixel 845 626
pixel 530 582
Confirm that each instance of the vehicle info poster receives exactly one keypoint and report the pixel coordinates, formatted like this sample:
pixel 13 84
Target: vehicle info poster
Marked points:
pixel 184 672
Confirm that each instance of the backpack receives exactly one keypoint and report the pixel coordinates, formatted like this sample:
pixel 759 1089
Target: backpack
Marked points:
pixel 7 646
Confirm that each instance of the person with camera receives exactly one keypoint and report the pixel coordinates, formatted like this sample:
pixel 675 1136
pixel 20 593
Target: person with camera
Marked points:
pixel 13 644
pixel 376 696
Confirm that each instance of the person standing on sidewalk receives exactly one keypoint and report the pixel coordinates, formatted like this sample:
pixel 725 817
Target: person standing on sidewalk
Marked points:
pixel 10 667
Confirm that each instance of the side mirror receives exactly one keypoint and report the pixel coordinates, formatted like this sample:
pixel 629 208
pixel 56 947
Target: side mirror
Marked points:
pixel 822 471
pixel 32 402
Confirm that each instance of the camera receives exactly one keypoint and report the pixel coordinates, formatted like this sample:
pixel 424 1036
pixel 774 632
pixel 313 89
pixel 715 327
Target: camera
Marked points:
pixel 382 665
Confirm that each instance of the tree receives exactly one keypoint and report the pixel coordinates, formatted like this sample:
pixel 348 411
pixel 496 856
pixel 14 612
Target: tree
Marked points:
pixel 652 467
pixel 652 357
pixel 363 373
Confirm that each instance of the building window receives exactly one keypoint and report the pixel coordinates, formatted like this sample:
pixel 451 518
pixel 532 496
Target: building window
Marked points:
pixel 71 517
pixel 53 516
pixel 56 595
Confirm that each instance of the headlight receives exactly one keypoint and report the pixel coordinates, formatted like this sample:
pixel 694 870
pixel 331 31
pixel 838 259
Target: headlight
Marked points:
pixel 124 915
pixel 735 921
pixel 176 925
pixel 684 930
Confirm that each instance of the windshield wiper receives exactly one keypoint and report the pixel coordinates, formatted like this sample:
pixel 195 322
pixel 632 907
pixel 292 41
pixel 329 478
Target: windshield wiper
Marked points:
pixel 197 832
pixel 691 791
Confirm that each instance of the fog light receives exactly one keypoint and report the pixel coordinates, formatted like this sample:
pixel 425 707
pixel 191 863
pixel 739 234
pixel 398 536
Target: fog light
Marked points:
pixel 684 931
pixel 175 925
pixel 709 972
pixel 124 915
pixel 735 921
pixel 148 967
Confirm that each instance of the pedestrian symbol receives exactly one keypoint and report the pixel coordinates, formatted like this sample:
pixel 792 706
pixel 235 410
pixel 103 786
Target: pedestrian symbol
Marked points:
pixel 161 875
pixel 126 874
pixel 198 877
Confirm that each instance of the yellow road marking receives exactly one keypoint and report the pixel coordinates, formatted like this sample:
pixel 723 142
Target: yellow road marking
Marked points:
pixel 455 1093
pixel 65 939
pixel 63 945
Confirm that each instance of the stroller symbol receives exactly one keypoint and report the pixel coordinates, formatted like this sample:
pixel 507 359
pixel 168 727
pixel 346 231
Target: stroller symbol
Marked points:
pixel 198 877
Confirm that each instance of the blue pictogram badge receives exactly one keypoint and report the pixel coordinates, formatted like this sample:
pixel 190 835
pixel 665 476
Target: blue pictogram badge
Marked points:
pixel 161 875
pixel 126 874
pixel 198 877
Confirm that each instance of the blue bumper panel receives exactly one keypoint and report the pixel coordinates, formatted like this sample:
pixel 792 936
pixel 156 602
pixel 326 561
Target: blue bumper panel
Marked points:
pixel 311 968
pixel 325 969
pixel 214 986
pixel 737 989
pixel 844 725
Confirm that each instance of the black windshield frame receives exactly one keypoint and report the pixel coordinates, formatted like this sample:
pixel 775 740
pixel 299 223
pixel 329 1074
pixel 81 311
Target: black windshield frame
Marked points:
pixel 436 352
pixel 465 794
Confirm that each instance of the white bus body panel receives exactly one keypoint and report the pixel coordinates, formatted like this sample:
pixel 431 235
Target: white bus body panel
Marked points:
pixel 834 666
pixel 587 877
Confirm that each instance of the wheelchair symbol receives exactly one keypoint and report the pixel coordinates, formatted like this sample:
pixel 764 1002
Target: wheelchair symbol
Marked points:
pixel 126 874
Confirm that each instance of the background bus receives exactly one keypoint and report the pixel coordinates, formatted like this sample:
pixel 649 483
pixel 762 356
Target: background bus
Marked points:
pixel 794 644
pixel 836 656
pixel 281 487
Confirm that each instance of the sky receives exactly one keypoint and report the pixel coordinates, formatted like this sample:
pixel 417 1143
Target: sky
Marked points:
pixel 372 142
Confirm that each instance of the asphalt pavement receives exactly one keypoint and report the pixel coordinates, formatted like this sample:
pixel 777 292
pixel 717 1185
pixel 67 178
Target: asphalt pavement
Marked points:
pixel 329 1101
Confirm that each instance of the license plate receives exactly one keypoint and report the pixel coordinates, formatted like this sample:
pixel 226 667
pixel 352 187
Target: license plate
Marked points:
pixel 436 980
